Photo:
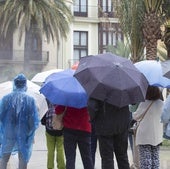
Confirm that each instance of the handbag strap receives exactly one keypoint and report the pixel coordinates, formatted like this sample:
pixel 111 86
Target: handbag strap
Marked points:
pixel 65 109
pixel 143 115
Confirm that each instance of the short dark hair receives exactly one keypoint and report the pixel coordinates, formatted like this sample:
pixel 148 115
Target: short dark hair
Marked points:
pixel 153 93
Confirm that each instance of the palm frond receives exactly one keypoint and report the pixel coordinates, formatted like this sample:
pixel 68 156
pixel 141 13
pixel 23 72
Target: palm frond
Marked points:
pixel 121 49
pixel 51 17
pixel 153 5
pixel 130 14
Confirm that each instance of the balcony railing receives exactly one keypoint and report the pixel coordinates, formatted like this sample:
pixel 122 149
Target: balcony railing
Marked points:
pixel 17 56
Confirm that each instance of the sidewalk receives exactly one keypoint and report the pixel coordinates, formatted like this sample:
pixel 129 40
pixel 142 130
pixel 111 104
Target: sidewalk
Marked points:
pixel 39 155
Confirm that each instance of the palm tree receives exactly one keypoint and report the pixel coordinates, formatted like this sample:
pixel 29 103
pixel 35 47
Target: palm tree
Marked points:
pixel 120 49
pixel 141 22
pixel 130 14
pixel 34 18
pixel 151 27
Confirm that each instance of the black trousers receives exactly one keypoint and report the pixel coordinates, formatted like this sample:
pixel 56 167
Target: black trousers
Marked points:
pixel 83 142
pixel 93 144
pixel 115 144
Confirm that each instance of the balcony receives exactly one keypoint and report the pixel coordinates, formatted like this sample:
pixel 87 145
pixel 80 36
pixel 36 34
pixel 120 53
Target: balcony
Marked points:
pixel 17 57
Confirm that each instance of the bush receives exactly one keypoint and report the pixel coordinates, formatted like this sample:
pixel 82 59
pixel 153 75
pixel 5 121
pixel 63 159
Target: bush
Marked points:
pixel 166 143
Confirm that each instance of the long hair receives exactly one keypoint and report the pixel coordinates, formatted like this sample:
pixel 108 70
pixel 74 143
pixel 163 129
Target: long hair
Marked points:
pixel 153 93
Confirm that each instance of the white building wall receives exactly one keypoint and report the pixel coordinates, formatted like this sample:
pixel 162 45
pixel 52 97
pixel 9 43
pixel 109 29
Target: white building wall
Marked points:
pixel 89 24
pixel 93 9
pixel 65 52
pixel 92 29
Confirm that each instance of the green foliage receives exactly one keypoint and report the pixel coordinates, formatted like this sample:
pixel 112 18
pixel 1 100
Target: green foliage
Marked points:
pixel 131 15
pixel 153 5
pixel 166 143
pixel 121 49
pixel 166 12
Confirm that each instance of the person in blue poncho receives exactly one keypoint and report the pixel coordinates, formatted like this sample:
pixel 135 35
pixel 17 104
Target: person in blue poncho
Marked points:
pixel 18 119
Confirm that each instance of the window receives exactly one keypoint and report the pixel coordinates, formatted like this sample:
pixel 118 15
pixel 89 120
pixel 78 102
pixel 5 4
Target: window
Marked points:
pixel 36 47
pixel 80 8
pixel 34 40
pixel 109 36
pixel 80 44
pixel 106 8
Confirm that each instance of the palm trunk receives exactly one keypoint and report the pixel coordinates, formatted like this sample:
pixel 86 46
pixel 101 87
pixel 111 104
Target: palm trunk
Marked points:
pixel 151 49
pixel 152 33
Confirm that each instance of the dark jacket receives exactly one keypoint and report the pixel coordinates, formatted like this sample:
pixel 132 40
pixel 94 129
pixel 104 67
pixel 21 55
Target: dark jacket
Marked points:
pixel 108 119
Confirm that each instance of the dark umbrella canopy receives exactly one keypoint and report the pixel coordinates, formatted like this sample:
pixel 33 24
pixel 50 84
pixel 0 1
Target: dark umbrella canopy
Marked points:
pixel 111 78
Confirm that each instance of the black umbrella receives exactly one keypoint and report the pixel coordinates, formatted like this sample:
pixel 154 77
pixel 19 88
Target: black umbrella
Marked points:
pixel 111 78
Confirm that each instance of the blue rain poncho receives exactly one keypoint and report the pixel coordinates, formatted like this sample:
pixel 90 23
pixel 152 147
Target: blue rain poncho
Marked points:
pixel 18 120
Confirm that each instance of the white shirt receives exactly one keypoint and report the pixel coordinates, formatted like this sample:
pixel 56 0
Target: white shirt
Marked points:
pixel 150 130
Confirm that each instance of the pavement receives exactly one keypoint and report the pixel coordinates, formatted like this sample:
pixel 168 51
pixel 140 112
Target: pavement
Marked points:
pixel 39 155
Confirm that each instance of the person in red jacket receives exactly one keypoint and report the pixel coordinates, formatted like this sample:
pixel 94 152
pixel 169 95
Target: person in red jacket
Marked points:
pixel 76 132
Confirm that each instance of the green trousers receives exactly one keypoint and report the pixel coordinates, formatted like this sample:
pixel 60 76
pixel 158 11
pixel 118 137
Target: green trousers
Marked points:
pixel 55 150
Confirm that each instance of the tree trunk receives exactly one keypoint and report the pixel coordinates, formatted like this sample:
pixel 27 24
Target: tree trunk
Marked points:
pixel 152 33
pixel 151 49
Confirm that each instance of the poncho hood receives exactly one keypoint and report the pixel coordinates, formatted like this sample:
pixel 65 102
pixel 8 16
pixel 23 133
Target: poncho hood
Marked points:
pixel 20 83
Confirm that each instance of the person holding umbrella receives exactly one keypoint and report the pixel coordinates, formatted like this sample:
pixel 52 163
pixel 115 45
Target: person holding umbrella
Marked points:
pixel 150 130
pixel 107 79
pixel 111 126
pixel 76 132
pixel 64 90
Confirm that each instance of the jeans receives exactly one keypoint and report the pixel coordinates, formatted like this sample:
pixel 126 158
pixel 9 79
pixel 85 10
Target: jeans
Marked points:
pixel 55 144
pixel 114 144
pixel 5 158
pixel 83 141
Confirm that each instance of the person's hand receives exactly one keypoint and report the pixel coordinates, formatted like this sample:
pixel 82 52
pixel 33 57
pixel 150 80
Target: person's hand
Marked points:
pixel 132 122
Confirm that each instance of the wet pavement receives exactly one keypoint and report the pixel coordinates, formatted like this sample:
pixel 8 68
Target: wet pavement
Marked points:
pixel 39 155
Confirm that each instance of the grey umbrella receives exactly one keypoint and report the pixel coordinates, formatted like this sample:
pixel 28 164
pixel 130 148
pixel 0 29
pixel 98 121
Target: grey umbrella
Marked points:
pixel 111 78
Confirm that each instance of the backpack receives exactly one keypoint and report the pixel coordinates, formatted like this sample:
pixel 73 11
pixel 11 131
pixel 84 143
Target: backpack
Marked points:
pixel 48 117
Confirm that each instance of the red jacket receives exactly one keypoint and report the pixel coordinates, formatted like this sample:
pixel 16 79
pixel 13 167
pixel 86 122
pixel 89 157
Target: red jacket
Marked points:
pixel 77 119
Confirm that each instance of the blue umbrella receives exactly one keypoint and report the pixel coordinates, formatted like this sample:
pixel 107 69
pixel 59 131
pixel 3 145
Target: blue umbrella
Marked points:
pixel 153 72
pixel 62 88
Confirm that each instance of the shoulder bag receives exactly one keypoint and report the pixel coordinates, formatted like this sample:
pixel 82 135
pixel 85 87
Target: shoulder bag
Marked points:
pixel 136 123
pixel 57 120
